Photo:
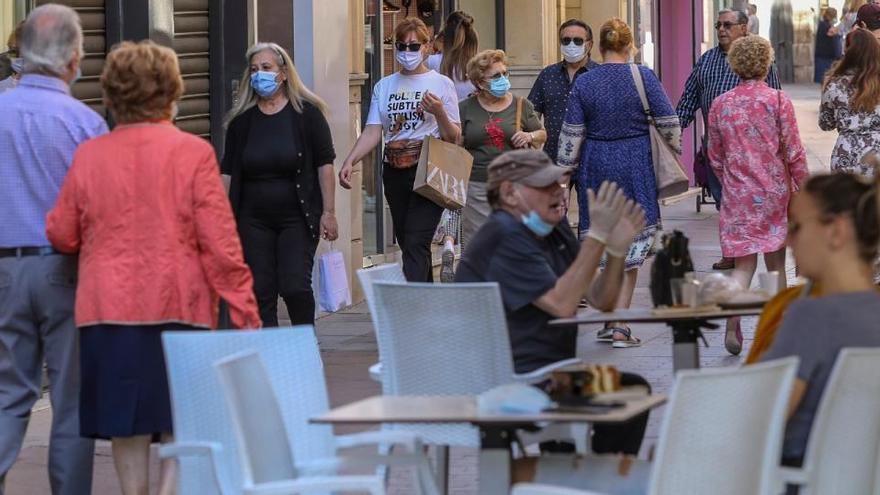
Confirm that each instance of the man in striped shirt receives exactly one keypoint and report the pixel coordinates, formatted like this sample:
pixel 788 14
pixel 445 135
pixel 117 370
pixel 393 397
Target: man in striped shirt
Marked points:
pixel 711 78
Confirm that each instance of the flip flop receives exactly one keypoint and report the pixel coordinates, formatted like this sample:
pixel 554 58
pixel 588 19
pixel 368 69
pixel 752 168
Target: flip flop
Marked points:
pixel 630 341
pixel 605 335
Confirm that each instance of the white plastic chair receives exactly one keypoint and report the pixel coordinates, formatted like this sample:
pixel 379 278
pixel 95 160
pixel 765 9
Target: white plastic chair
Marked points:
pixel 445 339
pixel 843 454
pixel 266 455
pixel 722 433
pixel 541 489
pixel 205 443
pixel 388 272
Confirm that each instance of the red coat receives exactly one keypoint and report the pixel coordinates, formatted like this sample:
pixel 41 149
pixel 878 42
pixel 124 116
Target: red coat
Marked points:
pixel 144 207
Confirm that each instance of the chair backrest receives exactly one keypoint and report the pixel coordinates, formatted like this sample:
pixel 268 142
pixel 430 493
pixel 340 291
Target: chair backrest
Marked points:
pixel 199 409
pixel 722 431
pixel 388 272
pixel 844 445
pixel 442 339
pixel 262 438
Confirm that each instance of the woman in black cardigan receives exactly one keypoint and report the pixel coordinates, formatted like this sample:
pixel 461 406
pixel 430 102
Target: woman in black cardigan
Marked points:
pixel 279 156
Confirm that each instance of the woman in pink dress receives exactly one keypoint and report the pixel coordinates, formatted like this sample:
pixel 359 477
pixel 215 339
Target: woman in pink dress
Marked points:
pixel 756 151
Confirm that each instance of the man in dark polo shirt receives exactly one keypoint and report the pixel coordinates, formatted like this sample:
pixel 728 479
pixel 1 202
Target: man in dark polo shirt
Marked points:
pixel 528 248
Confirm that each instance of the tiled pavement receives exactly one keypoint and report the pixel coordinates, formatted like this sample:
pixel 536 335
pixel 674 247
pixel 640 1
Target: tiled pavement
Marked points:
pixel 349 348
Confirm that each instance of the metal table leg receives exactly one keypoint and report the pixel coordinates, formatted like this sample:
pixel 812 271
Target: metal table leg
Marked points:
pixel 494 465
pixel 685 351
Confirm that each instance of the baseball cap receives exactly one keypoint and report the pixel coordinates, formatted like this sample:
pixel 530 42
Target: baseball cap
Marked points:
pixel 870 15
pixel 528 167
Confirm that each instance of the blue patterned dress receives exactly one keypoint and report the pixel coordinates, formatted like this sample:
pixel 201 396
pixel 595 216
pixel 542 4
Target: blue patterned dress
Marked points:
pixel 605 137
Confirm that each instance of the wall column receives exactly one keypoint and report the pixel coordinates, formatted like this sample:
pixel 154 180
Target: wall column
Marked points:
pixel 530 37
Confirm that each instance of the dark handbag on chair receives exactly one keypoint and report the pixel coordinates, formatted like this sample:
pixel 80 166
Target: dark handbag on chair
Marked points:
pixel 673 260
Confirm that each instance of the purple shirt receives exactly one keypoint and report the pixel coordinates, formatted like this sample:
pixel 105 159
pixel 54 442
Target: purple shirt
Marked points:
pixel 41 127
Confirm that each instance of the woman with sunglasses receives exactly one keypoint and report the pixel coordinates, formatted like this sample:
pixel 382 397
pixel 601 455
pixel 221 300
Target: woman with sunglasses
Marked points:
pixel 493 121
pixel 605 136
pixel 279 157
pixel 407 106
pixel 833 233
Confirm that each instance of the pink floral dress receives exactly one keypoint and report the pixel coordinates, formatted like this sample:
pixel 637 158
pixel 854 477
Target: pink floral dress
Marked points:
pixel 753 137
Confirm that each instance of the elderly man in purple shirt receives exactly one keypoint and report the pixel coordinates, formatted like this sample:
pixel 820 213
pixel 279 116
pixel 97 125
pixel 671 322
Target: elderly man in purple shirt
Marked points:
pixel 41 127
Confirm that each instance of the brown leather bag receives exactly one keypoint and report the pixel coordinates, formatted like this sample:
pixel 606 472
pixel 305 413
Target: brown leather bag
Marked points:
pixel 403 153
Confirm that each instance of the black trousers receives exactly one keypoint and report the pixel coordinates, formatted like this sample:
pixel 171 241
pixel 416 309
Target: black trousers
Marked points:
pixel 623 438
pixel 415 220
pixel 280 251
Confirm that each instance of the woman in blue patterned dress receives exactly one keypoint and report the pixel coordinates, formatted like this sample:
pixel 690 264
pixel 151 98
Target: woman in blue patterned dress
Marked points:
pixel 605 137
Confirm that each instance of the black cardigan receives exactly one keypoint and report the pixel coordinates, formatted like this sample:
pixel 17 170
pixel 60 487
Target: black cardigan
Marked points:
pixel 312 133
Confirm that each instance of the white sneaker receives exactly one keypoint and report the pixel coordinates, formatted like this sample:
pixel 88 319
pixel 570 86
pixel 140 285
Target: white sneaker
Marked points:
pixel 447 269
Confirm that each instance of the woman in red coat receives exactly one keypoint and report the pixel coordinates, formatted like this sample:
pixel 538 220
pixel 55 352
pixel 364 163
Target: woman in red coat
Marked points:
pixel 144 207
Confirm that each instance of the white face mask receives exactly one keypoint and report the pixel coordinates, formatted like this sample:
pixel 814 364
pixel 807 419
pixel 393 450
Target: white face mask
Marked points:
pixel 573 53
pixel 409 60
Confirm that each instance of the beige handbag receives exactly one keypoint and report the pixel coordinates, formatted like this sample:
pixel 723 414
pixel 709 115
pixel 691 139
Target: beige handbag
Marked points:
pixel 668 171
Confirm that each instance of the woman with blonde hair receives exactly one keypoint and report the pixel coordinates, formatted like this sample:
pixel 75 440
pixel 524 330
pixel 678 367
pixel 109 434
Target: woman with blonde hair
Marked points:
pixel 407 106
pixel 756 152
pixel 279 157
pixel 851 104
pixel 605 136
pixel 489 127
pixel 144 208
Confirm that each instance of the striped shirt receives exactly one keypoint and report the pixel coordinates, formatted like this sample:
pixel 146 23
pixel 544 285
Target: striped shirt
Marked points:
pixel 41 127
pixel 711 78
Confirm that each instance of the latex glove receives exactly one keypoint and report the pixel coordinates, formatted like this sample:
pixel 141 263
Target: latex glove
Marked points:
pixel 605 209
pixel 632 221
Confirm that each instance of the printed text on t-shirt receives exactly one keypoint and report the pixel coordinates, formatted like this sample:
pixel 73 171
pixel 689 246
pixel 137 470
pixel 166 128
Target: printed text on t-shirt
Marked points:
pixel 404 112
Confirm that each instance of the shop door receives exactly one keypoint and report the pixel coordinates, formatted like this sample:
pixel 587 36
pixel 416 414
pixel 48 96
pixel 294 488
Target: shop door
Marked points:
pixel 92 15
pixel 192 44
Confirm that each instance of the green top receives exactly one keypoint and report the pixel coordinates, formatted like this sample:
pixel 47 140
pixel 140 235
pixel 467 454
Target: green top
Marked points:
pixel 484 139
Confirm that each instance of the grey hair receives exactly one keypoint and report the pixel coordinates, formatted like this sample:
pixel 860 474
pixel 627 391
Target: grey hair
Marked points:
pixel 50 38
pixel 741 17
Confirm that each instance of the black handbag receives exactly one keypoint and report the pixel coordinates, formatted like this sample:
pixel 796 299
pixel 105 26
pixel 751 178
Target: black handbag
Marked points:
pixel 672 260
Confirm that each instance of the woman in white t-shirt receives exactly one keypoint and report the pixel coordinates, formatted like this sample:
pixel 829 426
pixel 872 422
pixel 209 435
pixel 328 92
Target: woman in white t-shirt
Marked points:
pixel 407 106
pixel 460 44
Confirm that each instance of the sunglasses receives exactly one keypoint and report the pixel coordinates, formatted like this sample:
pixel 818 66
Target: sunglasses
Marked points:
pixel 577 41
pixel 727 25
pixel 407 47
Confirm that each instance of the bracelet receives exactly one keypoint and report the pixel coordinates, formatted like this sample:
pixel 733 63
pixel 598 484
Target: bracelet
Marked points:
pixel 596 236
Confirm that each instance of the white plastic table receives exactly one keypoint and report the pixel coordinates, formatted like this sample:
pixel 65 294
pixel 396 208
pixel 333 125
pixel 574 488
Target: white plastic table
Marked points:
pixel 497 431
pixel 686 324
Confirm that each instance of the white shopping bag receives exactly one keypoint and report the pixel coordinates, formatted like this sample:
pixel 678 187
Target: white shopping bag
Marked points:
pixel 334 292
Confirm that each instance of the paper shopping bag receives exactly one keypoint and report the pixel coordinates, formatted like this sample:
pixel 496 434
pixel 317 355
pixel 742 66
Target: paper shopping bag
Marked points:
pixel 443 173
pixel 334 293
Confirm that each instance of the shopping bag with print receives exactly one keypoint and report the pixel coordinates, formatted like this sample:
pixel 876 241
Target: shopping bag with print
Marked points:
pixel 443 173
pixel 334 293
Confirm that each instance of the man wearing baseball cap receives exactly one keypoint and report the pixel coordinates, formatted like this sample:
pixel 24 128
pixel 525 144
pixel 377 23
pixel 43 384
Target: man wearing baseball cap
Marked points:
pixel 528 248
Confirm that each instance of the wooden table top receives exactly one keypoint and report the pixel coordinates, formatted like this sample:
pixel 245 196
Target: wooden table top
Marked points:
pixel 651 315
pixel 463 409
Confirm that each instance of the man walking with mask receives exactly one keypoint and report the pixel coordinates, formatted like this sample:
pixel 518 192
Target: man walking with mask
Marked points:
pixel 710 78
pixel 550 92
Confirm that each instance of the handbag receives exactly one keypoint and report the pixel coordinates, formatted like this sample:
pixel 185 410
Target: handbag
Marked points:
pixel 668 171
pixel 672 260
pixel 403 153
pixel 517 126
pixel 334 293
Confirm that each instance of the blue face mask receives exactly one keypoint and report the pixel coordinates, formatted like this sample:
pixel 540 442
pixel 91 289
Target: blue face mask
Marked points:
pixel 536 224
pixel 499 86
pixel 264 83
pixel 76 76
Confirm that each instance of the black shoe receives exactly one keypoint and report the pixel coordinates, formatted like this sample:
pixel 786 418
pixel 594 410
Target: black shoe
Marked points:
pixel 723 264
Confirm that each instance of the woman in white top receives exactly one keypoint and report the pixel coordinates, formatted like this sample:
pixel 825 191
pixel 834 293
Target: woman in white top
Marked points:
pixel 407 106
pixel 460 44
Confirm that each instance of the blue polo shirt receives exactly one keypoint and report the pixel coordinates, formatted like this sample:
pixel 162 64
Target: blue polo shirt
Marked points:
pixel 549 95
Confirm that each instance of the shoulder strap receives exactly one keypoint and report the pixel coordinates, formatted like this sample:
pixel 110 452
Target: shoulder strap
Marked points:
pixel 786 172
pixel 640 87
pixel 519 109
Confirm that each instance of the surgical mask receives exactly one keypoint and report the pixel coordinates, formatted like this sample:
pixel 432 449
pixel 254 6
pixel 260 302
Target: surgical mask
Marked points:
pixel 533 221
pixel 410 60
pixel 17 65
pixel 76 76
pixel 264 83
pixel 499 86
pixel 573 53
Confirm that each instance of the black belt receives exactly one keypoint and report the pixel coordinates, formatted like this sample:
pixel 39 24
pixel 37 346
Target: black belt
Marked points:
pixel 27 251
